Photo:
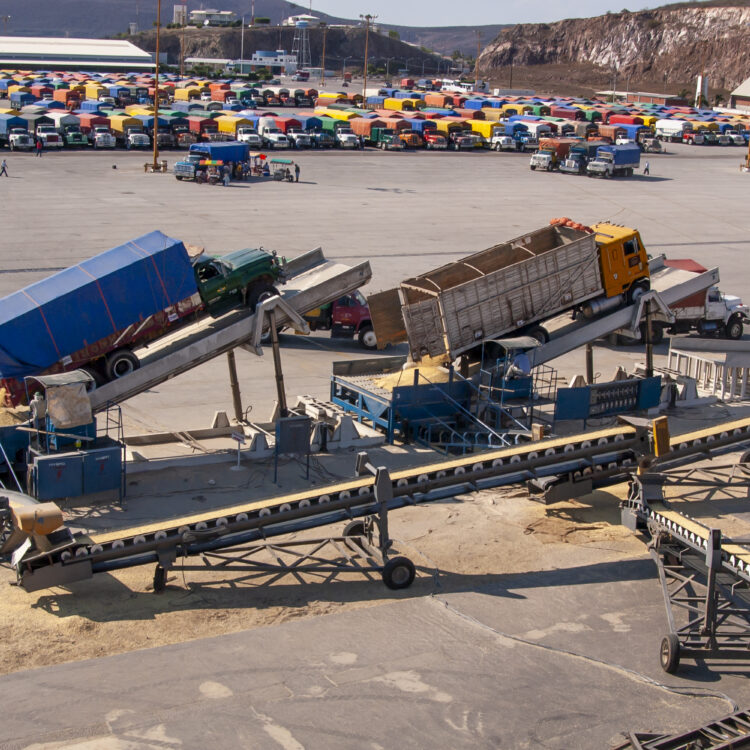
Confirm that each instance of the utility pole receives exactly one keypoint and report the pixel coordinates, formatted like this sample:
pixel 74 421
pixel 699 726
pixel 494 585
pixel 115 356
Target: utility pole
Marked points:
pixel 324 26
pixel 182 41
pixel 242 44
pixel 155 129
pixel 476 63
pixel 366 18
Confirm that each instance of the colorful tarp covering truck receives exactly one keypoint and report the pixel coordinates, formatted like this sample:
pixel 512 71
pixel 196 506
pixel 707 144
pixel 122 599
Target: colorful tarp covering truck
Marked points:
pixel 94 314
pixel 513 287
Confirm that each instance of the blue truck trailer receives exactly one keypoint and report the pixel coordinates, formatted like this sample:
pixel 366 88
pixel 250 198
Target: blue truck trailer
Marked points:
pixel 612 161
pixel 224 151
pixel 92 315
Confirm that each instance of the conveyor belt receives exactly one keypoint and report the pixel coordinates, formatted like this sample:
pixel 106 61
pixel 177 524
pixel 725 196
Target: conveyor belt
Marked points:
pixel 604 452
pixel 603 455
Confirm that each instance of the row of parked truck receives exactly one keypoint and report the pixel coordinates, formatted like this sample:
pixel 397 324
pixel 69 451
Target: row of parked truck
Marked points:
pixel 592 158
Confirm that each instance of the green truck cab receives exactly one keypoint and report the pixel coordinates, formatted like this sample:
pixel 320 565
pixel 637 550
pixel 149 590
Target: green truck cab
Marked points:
pixel 243 277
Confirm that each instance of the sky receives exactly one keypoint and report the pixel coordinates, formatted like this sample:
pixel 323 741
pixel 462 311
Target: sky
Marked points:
pixel 474 13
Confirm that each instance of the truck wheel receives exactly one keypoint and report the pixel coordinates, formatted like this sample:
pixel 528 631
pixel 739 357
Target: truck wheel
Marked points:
pixel 539 333
pixel 637 291
pixel 532 167
pixel 97 378
pixel 734 327
pixel 178 177
pixel 257 292
pixel 367 337
pixel 121 363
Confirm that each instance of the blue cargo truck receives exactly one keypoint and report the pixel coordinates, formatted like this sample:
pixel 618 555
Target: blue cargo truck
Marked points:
pixel 93 315
pixel 612 161
pixel 227 151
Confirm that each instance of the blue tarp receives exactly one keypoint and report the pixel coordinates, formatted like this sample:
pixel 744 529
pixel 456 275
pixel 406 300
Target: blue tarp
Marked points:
pixel 62 314
pixel 8 122
pixel 227 151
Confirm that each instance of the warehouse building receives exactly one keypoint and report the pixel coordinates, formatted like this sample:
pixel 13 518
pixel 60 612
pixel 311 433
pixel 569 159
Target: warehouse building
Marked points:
pixel 50 53
pixel 740 97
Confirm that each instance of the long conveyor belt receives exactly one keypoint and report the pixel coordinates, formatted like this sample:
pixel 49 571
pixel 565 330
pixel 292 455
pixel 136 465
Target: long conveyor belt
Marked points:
pixel 604 454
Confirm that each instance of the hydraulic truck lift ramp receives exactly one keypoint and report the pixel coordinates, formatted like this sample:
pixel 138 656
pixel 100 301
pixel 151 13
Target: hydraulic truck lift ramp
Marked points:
pixel 312 281
pixel 668 286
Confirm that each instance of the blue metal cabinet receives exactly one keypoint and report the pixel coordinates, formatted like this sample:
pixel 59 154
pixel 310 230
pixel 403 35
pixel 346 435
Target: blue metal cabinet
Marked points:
pixel 102 469
pixel 58 475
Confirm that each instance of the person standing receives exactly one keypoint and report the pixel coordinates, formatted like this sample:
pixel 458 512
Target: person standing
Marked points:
pixel 296 172
pixel 645 169
pixel 39 147
pixel 4 169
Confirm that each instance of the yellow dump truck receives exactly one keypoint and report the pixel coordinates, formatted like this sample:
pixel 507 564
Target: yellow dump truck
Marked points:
pixel 512 288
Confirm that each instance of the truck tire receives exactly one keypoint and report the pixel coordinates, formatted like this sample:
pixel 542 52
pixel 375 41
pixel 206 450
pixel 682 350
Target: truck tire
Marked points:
pixel 539 333
pixel 367 337
pixel 734 327
pixel 121 363
pixel 532 167
pixel 637 290
pixel 96 375
pixel 257 291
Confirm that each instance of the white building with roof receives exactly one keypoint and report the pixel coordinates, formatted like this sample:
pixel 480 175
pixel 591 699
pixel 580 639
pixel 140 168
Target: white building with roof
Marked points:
pixel 72 54
pixel 212 17
pixel 301 19
pixel 740 97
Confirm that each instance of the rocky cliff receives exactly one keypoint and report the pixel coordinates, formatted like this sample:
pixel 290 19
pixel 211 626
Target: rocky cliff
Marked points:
pixel 667 44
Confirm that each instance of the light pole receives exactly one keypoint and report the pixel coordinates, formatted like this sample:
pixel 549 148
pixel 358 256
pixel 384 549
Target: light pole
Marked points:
pixel 387 67
pixel 424 62
pixel 324 26
pixel 408 60
pixel 366 18
pixel 343 69
pixel 155 129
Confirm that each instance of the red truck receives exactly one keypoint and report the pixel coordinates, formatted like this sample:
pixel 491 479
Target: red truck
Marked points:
pixel 435 140
pixel 345 318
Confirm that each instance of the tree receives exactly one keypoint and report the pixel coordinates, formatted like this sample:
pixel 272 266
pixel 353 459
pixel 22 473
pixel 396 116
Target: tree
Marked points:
pixel 393 34
pixel 262 21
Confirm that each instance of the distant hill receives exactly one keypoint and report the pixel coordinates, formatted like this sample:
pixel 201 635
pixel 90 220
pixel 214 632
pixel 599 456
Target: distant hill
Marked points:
pixel 652 50
pixel 99 18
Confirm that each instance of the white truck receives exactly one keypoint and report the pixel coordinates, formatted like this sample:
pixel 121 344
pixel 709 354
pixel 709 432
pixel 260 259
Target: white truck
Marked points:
pixel 672 130
pixel 249 136
pixel 271 133
pixel 49 136
pixel 735 137
pixel 346 138
pixel 502 143
pixel 20 140
pixel 101 137
pixel 710 312
pixel 298 138
pixel 614 161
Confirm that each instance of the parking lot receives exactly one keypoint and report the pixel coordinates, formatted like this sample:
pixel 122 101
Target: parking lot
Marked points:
pixel 479 650
pixel 405 212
